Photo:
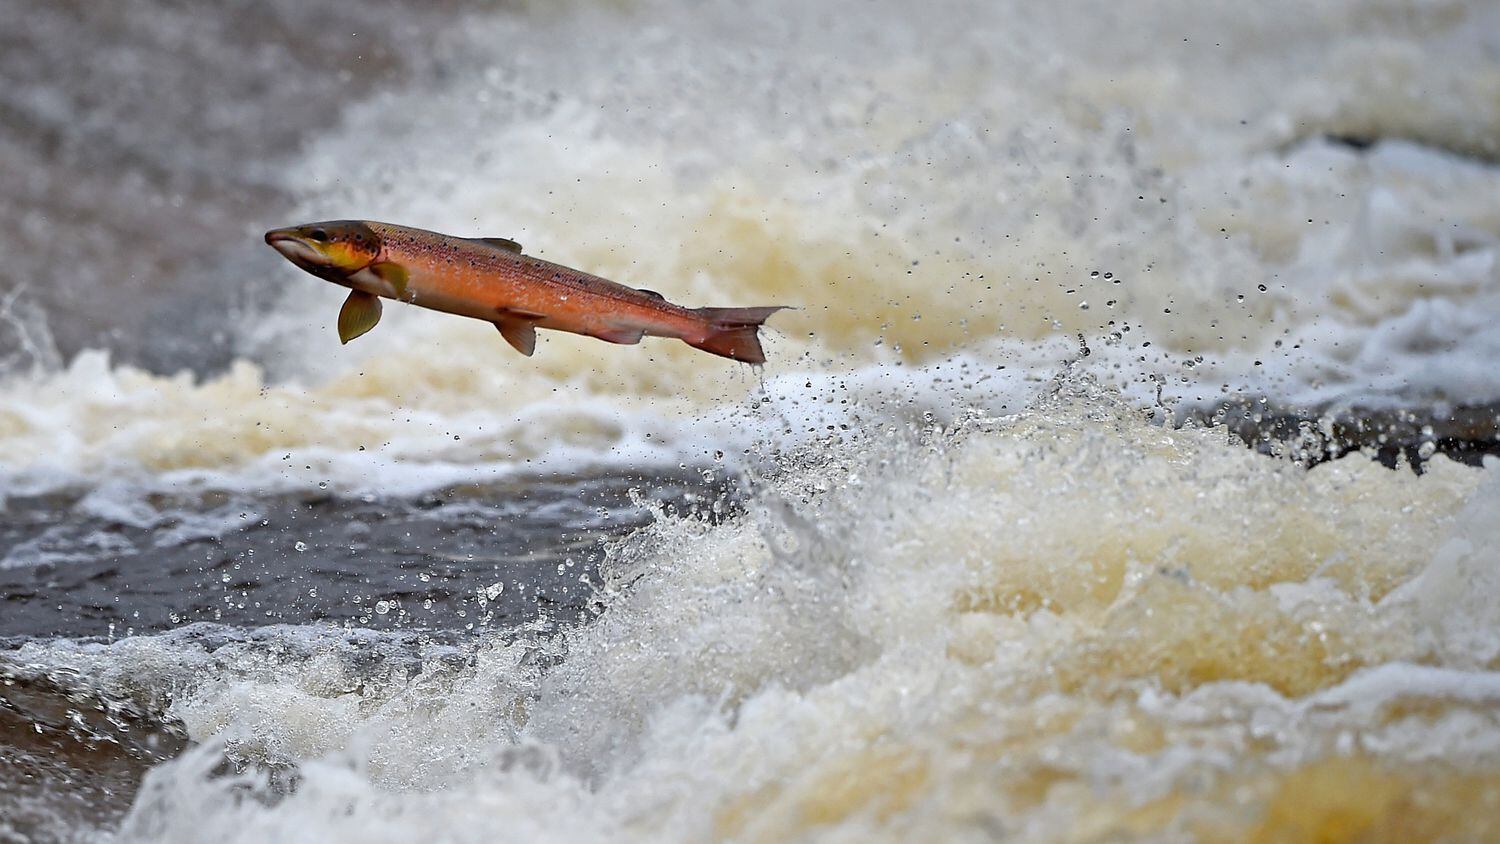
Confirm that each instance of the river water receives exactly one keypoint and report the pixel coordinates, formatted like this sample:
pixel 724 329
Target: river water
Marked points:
pixel 1122 474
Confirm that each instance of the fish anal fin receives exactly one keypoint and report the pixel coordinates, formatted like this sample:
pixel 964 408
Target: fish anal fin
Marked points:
pixel 517 313
pixel 360 313
pixel 624 335
pixel 518 327
pixel 520 333
pixel 393 274
pixel 501 243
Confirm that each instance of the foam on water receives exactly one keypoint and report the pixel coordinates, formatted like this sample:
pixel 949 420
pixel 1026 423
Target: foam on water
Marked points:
pixel 1068 624
pixel 984 179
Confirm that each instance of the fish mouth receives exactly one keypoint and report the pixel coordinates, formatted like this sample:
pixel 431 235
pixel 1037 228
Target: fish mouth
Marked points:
pixel 293 247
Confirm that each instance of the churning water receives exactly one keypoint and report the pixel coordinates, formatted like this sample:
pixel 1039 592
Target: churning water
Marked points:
pixel 980 554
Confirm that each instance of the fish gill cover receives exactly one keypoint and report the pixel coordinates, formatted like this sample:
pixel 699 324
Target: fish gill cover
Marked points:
pixel 994 562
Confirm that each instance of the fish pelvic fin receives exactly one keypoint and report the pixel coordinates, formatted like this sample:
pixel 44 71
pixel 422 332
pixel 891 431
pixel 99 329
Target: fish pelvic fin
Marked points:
pixel 734 332
pixel 520 333
pixel 360 313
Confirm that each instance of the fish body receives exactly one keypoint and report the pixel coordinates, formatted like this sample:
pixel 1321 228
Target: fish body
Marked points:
pixel 491 279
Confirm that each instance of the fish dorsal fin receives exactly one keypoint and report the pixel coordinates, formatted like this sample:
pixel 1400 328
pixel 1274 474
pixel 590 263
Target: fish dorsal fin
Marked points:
pixel 502 243
pixel 652 293
pixel 520 333
pixel 360 313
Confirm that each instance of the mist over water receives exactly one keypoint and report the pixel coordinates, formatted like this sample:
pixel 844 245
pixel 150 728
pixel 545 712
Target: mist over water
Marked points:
pixel 142 153
pixel 980 553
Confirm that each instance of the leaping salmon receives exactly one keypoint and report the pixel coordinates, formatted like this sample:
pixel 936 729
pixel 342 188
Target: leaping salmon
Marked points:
pixel 490 279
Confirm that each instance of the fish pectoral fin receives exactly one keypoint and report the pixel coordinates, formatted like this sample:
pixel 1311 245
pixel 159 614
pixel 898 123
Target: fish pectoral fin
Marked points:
pixel 520 333
pixel 360 313
pixel 393 274
pixel 502 243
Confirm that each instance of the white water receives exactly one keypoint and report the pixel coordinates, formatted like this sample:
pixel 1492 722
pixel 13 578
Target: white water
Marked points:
pixel 1054 621
pixel 913 183
pixel 1071 622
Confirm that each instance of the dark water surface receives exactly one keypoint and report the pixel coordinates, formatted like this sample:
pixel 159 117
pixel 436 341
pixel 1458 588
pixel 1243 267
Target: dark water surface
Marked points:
pixel 458 559
pixel 457 565
pixel 73 757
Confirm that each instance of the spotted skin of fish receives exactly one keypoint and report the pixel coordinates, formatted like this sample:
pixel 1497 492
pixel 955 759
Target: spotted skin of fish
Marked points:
pixel 490 279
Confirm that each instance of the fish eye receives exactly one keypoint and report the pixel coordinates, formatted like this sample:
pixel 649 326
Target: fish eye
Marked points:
pixel 318 235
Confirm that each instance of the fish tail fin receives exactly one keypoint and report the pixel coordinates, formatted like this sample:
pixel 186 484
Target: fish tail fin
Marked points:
pixel 733 332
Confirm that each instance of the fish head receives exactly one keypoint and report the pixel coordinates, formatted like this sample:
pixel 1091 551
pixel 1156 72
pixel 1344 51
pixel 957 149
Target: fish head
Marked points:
pixel 336 249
